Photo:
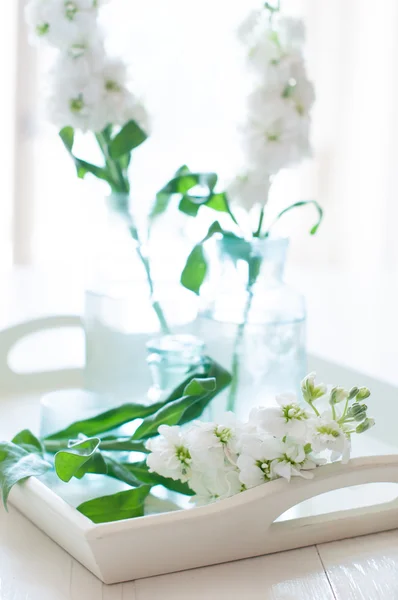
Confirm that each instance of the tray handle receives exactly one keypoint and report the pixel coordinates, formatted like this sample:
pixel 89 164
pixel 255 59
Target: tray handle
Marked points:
pixel 12 382
pixel 306 531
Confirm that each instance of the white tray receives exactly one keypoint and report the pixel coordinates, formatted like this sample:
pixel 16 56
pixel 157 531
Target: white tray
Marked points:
pixel 240 527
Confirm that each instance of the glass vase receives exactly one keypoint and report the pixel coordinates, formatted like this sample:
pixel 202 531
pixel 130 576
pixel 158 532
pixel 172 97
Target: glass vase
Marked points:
pixel 252 322
pixel 125 307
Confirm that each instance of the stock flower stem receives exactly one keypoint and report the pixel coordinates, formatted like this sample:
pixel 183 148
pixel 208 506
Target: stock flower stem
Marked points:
pixel 235 367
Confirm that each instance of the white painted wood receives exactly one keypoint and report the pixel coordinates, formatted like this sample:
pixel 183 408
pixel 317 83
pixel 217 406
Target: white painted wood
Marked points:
pixel 364 568
pixel 295 575
pixel 12 383
pixel 225 531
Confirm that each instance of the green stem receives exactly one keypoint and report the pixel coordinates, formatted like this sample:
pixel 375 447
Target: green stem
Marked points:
pixel 316 411
pixel 117 445
pixel 235 367
pixel 117 173
pixel 112 164
pixel 257 234
pixel 155 303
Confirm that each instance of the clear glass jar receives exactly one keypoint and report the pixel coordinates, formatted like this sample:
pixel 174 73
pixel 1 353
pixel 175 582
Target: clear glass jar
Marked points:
pixel 170 359
pixel 252 322
pixel 119 316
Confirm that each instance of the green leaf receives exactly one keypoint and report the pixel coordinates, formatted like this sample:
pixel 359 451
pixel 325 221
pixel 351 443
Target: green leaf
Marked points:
pixel 170 414
pixel 118 471
pixel 106 421
pixel 83 167
pixel 67 135
pixel 188 207
pixel 28 441
pixel 218 202
pixel 197 386
pixel 195 270
pixel 181 183
pixel 129 137
pixel 141 472
pixel 124 505
pixel 17 464
pixel 223 379
pixel 319 209
pixel 70 461
pixel 188 407
pixel 96 465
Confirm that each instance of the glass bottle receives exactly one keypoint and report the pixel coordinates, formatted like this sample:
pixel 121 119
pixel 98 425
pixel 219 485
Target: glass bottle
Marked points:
pixel 252 322
pixel 170 359
pixel 125 306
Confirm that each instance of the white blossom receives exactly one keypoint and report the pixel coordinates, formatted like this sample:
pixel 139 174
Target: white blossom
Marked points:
pixel 327 434
pixel 214 484
pixel 276 132
pixel 90 92
pixel 249 188
pixel 62 23
pixel 276 136
pixel 287 419
pixel 264 459
pixel 169 455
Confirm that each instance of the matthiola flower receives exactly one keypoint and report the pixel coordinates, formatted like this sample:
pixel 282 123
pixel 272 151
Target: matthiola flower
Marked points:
pixel 287 419
pixel 169 456
pixel 214 484
pixel 263 459
pixel 214 444
pixel 248 188
pixel 62 22
pixel 90 92
pixel 327 434
pixel 276 134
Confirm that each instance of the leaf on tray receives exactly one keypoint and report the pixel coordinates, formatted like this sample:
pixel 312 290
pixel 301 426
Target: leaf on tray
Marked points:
pixel 28 441
pixel 124 505
pixel 17 464
pixel 190 406
pixel 73 460
pixel 140 470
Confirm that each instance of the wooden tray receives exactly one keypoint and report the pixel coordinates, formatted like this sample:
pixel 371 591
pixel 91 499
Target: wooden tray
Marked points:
pixel 239 527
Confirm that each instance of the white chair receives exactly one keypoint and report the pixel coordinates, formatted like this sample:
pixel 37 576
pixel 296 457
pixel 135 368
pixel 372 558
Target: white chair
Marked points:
pixel 11 382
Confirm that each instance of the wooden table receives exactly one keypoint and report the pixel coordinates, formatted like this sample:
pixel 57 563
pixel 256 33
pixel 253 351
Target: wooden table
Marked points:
pixel 32 567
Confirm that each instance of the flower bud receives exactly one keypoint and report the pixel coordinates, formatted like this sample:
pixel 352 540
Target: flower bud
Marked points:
pixel 365 425
pixel 363 393
pixel 310 390
pixel 358 411
pixel 338 394
pixel 353 392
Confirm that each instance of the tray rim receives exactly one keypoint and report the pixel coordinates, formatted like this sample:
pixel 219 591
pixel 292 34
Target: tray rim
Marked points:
pixel 91 530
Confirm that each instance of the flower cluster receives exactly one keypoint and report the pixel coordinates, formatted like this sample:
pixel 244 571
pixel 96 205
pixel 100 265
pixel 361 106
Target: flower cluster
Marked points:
pixel 276 134
pixel 219 460
pixel 88 88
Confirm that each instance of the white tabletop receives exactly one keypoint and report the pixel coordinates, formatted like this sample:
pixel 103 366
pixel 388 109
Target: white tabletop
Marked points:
pixel 32 567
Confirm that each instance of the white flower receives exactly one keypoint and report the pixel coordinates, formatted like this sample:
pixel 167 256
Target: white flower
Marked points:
pixel 248 27
pixel 62 23
pixel 215 445
pixel 276 135
pixel 169 455
pixel 264 459
pixel 214 484
pixel 326 434
pixel 289 419
pixel 255 460
pixel 249 188
pixel 291 32
pixel 90 92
